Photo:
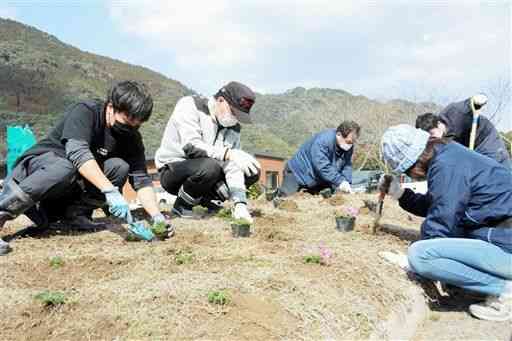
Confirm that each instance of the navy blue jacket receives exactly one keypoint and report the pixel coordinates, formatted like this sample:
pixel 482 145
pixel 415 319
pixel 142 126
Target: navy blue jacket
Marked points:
pixel 466 192
pixel 320 162
pixel 459 118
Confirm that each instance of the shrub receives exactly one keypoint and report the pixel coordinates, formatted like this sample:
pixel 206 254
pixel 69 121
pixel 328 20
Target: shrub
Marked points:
pixel 224 213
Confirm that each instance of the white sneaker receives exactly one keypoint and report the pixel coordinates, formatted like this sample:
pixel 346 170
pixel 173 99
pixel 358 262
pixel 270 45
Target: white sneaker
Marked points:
pixel 399 259
pixel 493 309
pixel 241 212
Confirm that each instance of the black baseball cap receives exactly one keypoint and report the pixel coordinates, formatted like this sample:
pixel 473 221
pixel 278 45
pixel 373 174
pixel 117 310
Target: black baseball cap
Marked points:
pixel 240 98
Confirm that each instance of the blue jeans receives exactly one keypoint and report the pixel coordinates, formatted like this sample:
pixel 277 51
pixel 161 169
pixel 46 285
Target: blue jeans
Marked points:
pixel 471 264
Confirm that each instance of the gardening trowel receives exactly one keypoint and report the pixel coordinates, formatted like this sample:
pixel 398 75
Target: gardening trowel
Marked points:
pixel 378 211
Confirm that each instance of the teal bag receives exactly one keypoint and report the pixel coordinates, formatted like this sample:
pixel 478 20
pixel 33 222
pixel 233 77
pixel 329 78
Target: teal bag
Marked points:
pixel 19 139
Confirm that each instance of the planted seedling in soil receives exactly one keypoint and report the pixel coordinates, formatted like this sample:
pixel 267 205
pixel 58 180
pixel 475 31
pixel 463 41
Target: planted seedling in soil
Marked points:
pixel 56 262
pixel 345 219
pixel 184 257
pixel 200 210
pixel 160 230
pixel 240 228
pixel 224 213
pixel 312 259
pixel 219 297
pixel 51 298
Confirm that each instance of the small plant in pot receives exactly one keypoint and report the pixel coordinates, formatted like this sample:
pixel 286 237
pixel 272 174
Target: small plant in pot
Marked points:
pixel 240 228
pixel 346 218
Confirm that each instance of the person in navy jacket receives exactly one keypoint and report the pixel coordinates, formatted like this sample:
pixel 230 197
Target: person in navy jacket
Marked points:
pixel 466 237
pixel 324 161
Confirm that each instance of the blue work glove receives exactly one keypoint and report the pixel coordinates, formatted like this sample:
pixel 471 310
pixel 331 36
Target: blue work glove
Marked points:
pixel 117 204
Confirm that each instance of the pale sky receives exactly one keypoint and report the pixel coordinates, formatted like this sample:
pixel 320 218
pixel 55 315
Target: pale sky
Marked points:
pixel 417 50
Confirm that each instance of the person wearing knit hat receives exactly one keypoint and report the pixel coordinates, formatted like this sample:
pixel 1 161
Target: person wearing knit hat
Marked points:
pixel 466 237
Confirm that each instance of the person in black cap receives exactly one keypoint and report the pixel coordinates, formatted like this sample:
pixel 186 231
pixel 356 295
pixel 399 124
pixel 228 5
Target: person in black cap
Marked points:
pixel 200 158
pixel 455 122
pixel 82 163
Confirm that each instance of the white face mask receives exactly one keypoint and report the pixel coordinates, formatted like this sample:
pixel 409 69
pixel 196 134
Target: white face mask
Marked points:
pixel 345 146
pixel 224 117
pixel 227 120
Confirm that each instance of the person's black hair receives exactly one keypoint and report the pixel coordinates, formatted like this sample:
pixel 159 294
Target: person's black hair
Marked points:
pixel 427 121
pixel 133 98
pixel 347 127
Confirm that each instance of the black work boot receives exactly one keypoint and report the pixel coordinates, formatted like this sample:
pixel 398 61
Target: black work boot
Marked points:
pixel 79 214
pixel 13 202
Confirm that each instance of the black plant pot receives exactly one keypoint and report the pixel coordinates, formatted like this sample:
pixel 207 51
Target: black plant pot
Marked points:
pixel 345 224
pixel 240 230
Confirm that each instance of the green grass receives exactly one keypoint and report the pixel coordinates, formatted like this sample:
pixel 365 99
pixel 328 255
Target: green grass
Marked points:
pixel 219 297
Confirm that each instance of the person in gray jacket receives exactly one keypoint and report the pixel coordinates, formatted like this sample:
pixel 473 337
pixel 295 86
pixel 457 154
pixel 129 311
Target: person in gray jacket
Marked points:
pixel 200 158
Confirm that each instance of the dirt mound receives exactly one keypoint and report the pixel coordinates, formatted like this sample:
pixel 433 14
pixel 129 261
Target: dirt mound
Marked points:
pixel 288 205
pixel 335 200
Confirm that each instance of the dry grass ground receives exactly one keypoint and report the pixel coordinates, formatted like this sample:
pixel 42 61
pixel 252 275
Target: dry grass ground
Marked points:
pixel 129 290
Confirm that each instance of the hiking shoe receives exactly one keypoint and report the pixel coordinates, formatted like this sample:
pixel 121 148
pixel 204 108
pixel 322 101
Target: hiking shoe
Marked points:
pixel 4 247
pixel 493 309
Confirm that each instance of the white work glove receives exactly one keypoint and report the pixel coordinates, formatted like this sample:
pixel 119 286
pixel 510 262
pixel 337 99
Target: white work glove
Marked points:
pixel 390 185
pixel 242 212
pixel 479 100
pixel 396 258
pixel 245 161
pixel 345 187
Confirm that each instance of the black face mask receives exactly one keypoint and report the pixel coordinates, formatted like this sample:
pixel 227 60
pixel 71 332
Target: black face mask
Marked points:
pixel 124 130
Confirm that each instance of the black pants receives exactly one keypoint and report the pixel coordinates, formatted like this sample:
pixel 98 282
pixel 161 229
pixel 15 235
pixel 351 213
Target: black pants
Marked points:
pixel 199 177
pixel 291 186
pixel 55 183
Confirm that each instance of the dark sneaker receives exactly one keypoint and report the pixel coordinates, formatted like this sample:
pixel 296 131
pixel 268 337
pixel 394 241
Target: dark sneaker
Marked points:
pixel 184 210
pixel 4 248
pixel 213 206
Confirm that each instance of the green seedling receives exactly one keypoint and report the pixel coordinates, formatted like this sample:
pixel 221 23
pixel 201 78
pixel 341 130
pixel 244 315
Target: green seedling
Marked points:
pixel 240 222
pixel 200 210
pixel 51 298
pixel 313 259
pixel 159 229
pixel 218 297
pixel 183 257
pixel 56 262
pixel 254 191
pixel 224 213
